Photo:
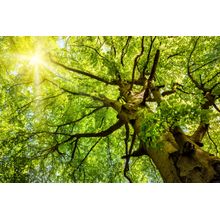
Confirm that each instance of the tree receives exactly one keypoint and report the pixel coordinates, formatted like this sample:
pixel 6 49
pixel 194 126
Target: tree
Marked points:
pixel 110 109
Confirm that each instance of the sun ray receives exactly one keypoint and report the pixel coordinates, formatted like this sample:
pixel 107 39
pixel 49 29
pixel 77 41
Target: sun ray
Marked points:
pixel 35 60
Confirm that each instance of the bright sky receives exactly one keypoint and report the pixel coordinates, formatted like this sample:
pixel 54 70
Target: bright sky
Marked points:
pixel 61 42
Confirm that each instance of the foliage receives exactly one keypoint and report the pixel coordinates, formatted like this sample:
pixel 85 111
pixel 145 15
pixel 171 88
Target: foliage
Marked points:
pixel 44 103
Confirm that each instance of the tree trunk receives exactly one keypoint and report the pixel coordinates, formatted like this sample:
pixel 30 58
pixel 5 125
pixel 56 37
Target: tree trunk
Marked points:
pixel 179 160
pixel 178 157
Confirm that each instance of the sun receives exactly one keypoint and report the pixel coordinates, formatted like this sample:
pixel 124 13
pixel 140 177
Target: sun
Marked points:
pixel 36 59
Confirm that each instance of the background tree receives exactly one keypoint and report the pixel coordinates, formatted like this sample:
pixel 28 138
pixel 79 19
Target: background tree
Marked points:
pixel 109 109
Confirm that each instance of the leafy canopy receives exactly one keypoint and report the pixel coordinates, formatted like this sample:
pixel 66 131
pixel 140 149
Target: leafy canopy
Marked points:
pixel 51 89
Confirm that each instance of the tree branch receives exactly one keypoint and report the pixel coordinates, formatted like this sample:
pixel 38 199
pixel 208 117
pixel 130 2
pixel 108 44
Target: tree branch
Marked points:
pixel 209 80
pixel 76 93
pixel 205 64
pixel 104 58
pixel 104 133
pixel 20 109
pixel 82 94
pixel 126 138
pixel 86 115
pixel 74 148
pixel 124 50
pixel 176 54
pixel 95 50
pixel 200 132
pixel 213 87
pixel 216 147
pixel 148 56
pixel 113 46
pixel 127 158
pixel 173 90
pixel 216 107
pixel 151 77
pixel 87 154
pixel 188 68
pixel 153 70
pixel 90 75
pixel 136 62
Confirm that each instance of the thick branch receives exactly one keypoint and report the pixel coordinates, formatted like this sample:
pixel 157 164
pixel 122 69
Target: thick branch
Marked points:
pixel 173 90
pixel 111 103
pixel 153 70
pixel 200 132
pixel 104 133
pixel 151 77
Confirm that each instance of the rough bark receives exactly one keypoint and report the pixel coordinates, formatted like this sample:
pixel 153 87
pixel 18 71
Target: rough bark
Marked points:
pixel 178 157
pixel 180 160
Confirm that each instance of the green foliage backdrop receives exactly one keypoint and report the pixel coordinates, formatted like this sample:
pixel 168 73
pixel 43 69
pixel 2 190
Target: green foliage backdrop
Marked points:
pixel 51 87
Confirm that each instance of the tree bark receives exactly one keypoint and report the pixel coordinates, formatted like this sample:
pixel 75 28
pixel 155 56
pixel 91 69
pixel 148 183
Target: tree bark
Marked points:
pixel 180 160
